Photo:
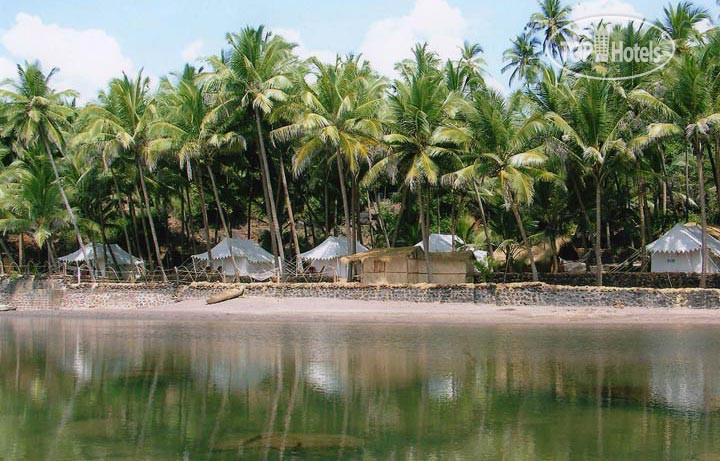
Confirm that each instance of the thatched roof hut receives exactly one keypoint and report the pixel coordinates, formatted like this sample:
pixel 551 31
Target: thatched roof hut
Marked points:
pixel 407 265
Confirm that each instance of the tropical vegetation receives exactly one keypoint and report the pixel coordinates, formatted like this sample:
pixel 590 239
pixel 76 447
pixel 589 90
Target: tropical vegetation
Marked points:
pixel 589 162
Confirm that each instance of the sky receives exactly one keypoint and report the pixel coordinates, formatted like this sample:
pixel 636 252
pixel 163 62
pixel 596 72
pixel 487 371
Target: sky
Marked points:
pixel 93 41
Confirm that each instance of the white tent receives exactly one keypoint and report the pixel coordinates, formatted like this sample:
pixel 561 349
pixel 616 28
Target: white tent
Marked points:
pixel 251 259
pixel 679 250
pixel 325 258
pixel 102 258
pixel 441 243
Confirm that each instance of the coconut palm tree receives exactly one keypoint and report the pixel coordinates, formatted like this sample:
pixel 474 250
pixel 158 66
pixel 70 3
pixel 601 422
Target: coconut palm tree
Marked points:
pixel 419 105
pixel 589 131
pixel 552 22
pixel 680 21
pixel 254 77
pixel 471 67
pixel 119 126
pixel 30 195
pixel 522 58
pixel 497 141
pixel 690 111
pixel 338 116
pixel 35 116
pixel 184 130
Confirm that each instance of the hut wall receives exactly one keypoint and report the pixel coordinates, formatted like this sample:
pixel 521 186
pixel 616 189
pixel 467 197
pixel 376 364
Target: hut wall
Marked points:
pixel 410 269
pixel 385 270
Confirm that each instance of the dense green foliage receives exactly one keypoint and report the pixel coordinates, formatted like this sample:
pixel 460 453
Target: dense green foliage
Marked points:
pixel 289 151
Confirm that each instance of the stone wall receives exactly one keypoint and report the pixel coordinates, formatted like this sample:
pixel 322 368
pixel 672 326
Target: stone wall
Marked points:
pixel 615 279
pixel 29 293
pixel 40 293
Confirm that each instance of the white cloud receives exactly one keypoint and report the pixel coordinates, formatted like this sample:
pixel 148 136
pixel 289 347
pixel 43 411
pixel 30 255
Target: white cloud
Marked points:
pixel 7 69
pixel 603 8
pixel 87 58
pixel 294 36
pixel 496 85
pixel 192 51
pixel 391 39
pixel 704 26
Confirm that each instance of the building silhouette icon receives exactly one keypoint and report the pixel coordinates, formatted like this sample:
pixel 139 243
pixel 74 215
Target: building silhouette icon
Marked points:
pixel 601 44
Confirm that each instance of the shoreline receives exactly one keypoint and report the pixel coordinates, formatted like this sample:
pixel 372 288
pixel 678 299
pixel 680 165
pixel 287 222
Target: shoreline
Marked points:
pixel 316 310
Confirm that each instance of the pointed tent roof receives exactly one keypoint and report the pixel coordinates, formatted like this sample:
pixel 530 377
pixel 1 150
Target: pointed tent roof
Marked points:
pixel 441 243
pixel 331 248
pixel 684 238
pixel 241 248
pixel 97 251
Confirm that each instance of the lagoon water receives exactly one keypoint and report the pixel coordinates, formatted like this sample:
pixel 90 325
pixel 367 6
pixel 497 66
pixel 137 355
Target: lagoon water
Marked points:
pixel 121 389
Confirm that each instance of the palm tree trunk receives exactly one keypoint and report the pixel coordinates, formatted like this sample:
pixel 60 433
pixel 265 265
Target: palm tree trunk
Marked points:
pixel 119 205
pixel 643 238
pixel 403 202
pixel 21 244
pixel 106 245
pixel 291 218
pixel 326 202
pixel 703 214
pixel 69 209
pixel 486 229
pixel 222 220
pixel 717 166
pixel 453 223
pixel 526 241
pixel 598 233
pixel 150 220
pixel 425 234
pixel 249 209
pixel 190 228
pixel 346 209
pixel 266 198
pixel 203 210
pixel 265 168
pixel 133 220
pixel 145 232
pixel 355 200
pixel 381 220
pixel 687 186
pixel 666 190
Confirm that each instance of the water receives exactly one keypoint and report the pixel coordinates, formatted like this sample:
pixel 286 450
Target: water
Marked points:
pixel 96 389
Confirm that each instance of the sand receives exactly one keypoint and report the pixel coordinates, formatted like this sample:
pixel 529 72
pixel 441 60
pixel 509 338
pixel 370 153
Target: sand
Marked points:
pixel 346 311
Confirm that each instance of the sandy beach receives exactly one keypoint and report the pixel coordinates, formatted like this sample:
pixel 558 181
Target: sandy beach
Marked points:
pixel 257 309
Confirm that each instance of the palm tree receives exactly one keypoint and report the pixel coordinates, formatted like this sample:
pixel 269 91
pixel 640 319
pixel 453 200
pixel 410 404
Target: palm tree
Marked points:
pixel 691 112
pixel 679 23
pixel 419 105
pixel 339 116
pixel 589 130
pixel 522 58
pixel 255 76
pixel 184 129
pixel 30 194
pixel 497 142
pixel 35 116
pixel 471 66
pixel 119 126
pixel 553 23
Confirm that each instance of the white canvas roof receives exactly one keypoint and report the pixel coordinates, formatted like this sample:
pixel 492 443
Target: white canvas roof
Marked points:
pixel 241 248
pixel 441 243
pixel 331 248
pixel 96 251
pixel 684 238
